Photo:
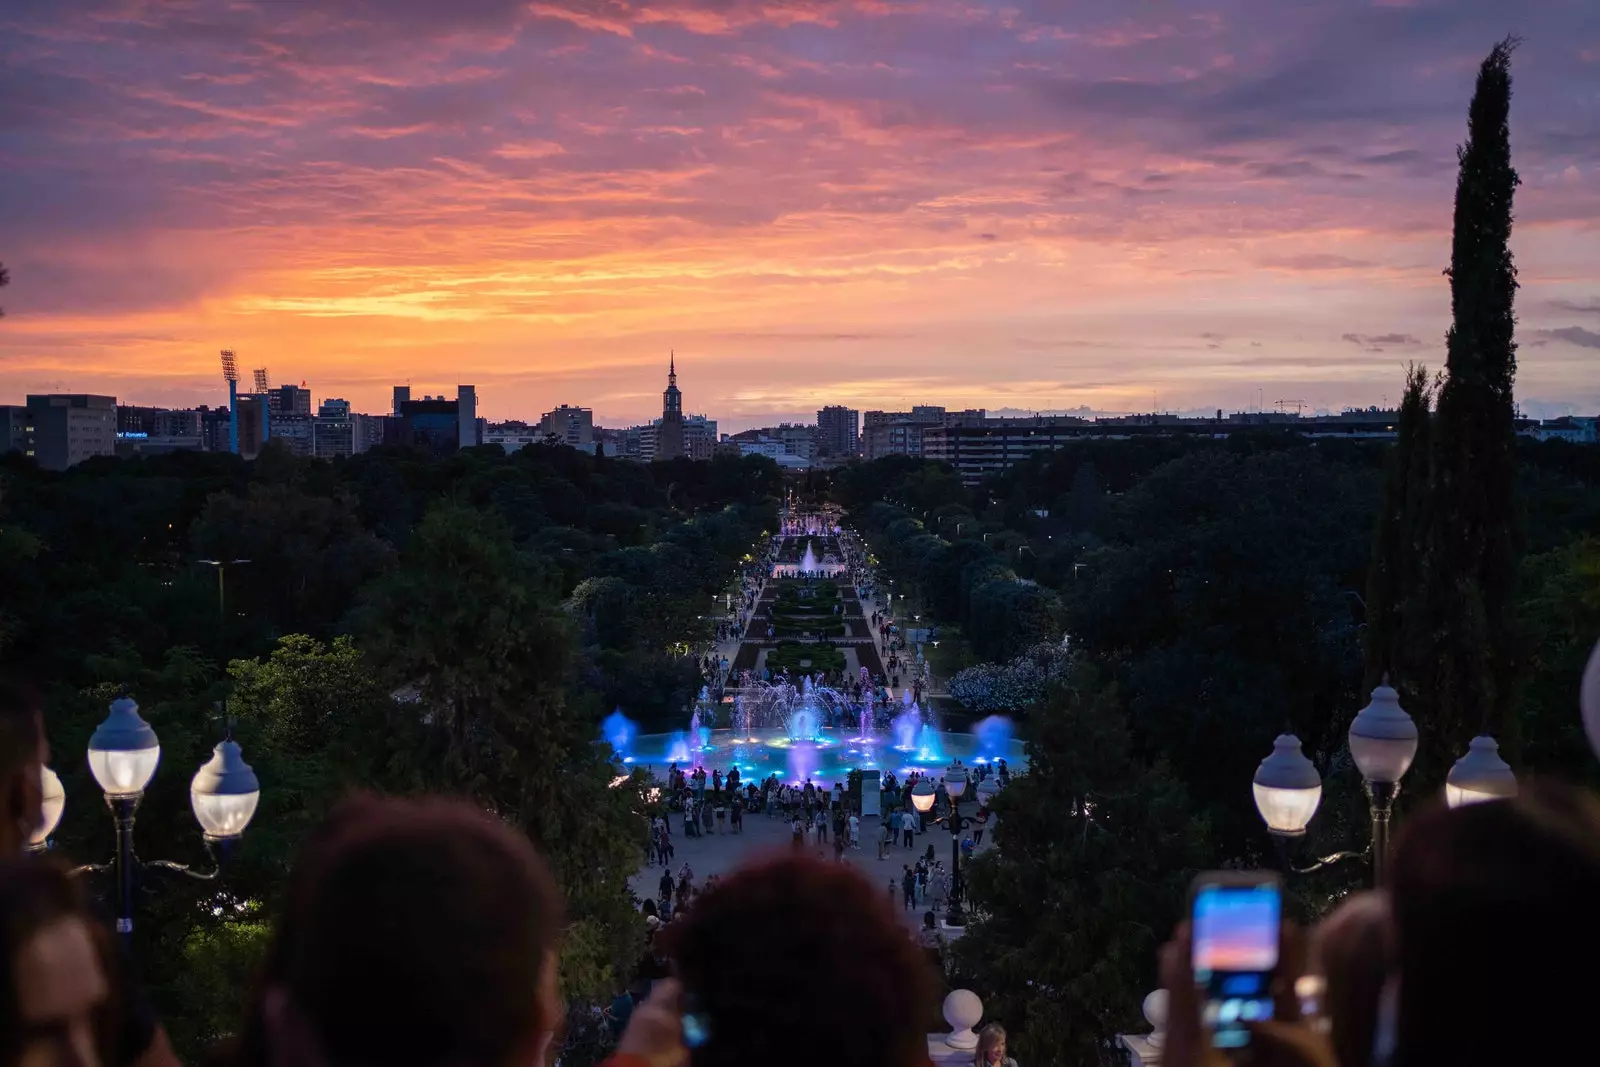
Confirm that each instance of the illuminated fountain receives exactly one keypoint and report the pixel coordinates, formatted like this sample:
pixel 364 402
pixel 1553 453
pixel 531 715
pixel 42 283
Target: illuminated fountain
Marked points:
pixel 620 731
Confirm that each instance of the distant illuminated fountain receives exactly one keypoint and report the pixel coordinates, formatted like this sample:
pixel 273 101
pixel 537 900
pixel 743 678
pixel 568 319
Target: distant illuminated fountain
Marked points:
pixel 808 562
pixel 803 725
pixel 994 738
pixel 620 731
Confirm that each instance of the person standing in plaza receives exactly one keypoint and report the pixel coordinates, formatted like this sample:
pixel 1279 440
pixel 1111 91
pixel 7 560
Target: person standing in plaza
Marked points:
pixel 821 824
pixel 855 831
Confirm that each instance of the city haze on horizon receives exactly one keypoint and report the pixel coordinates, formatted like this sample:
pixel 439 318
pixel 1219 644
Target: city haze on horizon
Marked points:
pixel 855 202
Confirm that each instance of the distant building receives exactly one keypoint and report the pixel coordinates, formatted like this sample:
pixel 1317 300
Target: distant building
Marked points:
pixel 16 429
pixel 294 432
pixel 69 428
pixel 437 424
pixel 289 400
pixel 699 437
pixel 978 449
pixel 513 436
pixel 134 418
pixel 838 431
pixel 570 426
pixel 899 433
pixel 402 393
pixel 368 431
pixel 669 436
pixel 794 443
pixel 1577 429
pixel 214 428
pixel 467 434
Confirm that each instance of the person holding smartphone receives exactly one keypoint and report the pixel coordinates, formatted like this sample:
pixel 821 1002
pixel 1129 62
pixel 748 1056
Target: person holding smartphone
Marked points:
pixel 1229 972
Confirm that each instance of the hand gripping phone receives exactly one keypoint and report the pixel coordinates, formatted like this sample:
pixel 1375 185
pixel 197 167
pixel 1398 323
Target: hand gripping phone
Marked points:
pixel 1235 918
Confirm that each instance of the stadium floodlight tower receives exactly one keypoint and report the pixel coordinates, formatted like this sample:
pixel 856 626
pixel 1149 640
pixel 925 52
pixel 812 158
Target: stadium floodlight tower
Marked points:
pixel 230 374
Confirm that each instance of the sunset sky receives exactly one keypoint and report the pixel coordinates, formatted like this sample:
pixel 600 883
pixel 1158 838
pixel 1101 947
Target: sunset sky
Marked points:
pixel 1033 204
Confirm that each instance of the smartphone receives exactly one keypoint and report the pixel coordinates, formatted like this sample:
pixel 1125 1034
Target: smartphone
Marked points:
pixel 1235 916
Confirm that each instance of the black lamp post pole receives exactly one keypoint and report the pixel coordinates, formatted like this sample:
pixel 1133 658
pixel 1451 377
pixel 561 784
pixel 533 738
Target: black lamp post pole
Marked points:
pixel 125 862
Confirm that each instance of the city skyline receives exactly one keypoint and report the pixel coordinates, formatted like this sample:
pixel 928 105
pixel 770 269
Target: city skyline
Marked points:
pixel 873 204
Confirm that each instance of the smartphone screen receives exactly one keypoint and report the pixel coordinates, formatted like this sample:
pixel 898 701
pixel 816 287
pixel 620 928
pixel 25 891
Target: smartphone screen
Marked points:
pixel 1235 952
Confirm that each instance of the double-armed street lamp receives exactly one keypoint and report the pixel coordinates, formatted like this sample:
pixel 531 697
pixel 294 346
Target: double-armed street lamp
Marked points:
pixel 923 794
pixel 123 755
pixel 1383 742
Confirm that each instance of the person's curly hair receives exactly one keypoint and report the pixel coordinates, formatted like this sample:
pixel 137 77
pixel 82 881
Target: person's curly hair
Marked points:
pixel 791 949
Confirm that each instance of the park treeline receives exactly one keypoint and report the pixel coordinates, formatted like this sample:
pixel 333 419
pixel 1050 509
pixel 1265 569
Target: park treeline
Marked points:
pixel 387 621
pixel 1213 595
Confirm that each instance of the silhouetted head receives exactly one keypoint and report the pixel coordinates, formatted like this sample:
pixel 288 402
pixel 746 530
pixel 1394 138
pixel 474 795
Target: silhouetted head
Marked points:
pixel 415 933
pixel 849 970
pixel 56 1001
pixel 1496 928
pixel 22 751
pixel 1354 951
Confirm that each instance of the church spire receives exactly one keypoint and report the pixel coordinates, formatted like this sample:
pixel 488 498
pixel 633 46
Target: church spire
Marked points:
pixel 672 367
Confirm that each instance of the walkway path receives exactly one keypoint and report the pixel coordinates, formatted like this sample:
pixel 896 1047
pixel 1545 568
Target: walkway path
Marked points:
pixel 721 853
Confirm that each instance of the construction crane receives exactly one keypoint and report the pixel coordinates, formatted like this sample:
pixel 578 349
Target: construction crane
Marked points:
pixel 230 374
pixel 262 382
pixel 1298 404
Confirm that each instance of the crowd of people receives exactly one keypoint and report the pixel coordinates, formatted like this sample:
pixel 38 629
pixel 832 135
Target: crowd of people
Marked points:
pixel 425 932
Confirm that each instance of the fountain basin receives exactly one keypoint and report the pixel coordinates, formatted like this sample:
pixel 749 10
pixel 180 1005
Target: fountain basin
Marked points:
pixel 829 758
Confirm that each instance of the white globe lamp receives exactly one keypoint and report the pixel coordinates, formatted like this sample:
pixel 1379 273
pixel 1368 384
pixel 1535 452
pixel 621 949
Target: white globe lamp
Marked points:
pixel 1383 738
pixel 124 752
pixel 1589 699
pixel 1287 788
pixel 922 795
pixel 1479 775
pixel 224 793
pixel 54 800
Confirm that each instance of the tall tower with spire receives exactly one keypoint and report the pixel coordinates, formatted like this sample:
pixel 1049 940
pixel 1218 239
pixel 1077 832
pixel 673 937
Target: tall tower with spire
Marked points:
pixel 669 435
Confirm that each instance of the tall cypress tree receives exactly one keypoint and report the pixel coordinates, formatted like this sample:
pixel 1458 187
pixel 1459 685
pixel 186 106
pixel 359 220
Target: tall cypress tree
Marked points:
pixel 1463 627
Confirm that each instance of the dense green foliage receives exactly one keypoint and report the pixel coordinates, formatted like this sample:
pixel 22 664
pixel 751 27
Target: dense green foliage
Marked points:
pixel 1095 849
pixel 401 624
pixel 1213 594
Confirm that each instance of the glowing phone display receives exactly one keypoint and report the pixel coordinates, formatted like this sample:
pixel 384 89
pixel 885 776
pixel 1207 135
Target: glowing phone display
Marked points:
pixel 1235 951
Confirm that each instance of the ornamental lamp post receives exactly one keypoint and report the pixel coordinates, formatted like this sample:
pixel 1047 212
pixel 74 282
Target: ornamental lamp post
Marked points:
pixel 1480 775
pixel 1383 742
pixel 124 753
pixel 955 783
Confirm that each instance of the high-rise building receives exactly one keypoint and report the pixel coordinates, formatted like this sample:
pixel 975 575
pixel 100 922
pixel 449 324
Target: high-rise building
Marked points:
pixel 289 400
pixel 467 416
pixel 669 434
pixel 16 429
pixel 68 428
pixel 402 393
pixel 839 431
pixel 569 426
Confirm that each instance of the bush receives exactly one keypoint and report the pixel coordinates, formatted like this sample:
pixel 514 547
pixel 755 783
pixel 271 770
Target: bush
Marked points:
pixel 788 654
